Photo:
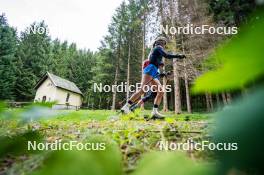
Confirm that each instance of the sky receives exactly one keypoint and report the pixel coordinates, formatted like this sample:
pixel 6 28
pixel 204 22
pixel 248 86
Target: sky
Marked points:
pixel 83 22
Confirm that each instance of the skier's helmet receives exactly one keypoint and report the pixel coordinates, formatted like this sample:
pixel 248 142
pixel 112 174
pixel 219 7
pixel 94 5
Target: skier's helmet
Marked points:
pixel 160 40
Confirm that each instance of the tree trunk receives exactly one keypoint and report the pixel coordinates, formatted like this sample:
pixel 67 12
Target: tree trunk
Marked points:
pixel 143 50
pixel 177 99
pixel 207 102
pixel 88 101
pixel 114 92
pixel 165 98
pixel 186 83
pixel 211 102
pixel 218 100
pixel 228 98
pixel 171 100
pixel 164 81
pixel 116 74
pixel 128 71
pixel 108 104
pixel 224 98
pixel 188 101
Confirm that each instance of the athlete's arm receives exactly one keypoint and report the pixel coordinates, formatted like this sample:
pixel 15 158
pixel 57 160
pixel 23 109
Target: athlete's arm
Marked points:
pixel 169 56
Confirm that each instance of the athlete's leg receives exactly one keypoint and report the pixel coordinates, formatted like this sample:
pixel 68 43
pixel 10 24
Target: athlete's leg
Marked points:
pixel 146 79
pixel 148 96
pixel 160 91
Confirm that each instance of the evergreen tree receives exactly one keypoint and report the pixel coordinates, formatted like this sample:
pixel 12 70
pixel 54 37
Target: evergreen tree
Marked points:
pixel 103 72
pixel 25 82
pixel 81 71
pixel 8 46
pixel 60 58
pixel 231 12
pixel 35 55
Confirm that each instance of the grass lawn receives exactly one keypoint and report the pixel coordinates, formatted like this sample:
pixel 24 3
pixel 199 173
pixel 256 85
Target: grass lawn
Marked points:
pixel 105 114
pixel 133 135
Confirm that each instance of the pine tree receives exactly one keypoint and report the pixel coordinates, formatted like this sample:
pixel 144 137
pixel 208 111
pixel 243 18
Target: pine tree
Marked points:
pixel 8 46
pixel 25 82
pixel 230 12
pixel 35 55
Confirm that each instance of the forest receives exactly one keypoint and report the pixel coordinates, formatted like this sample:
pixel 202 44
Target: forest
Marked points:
pixel 216 98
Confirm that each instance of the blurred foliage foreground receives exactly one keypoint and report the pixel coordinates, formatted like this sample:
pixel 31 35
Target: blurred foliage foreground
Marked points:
pixel 131 141
pixel 127 140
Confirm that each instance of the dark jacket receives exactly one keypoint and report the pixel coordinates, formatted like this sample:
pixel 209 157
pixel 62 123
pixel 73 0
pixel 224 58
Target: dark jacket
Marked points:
pixel 156 54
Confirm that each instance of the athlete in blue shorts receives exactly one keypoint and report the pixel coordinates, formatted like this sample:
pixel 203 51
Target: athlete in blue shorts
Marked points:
pixel 149 73
pixel 149 95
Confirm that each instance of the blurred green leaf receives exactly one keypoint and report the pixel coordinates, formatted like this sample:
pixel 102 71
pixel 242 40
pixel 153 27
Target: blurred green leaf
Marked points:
pixel 171 163
pixel 17 145
pixel 242 124
pixel 106 162
pixel 242 60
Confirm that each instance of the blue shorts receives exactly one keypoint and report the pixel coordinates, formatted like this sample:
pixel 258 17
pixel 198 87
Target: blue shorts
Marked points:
pixel 151 70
